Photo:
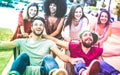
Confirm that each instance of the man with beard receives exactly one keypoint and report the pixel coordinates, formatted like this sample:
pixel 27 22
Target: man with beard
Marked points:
pixel 90 63
pixel 34 53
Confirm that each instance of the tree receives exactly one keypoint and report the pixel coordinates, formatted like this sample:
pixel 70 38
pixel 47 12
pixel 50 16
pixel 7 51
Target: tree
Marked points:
pixel 118 12
pixel 8 0
pixel 91 2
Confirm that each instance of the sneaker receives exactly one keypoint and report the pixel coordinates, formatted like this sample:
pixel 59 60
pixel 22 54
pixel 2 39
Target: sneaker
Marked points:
pixel 60 72
pixel 93 69
pixel 14 73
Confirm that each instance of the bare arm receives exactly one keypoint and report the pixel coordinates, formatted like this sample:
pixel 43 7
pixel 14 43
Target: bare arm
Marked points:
pixel 59 28
pixel 7 45
pixel 106 35
pixel 22 29
pixel 23 32
pixel 61 43
pixel 64 57
pixel 110 53
pixel 21 24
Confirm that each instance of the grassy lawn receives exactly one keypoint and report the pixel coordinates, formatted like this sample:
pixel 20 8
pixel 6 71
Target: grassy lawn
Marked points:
pixel 5 55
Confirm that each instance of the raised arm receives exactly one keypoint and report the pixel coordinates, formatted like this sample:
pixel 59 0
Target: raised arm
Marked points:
pixel 61 43
pixel 110 53
pixel 7 45
pixel 59 28
pixel 21 23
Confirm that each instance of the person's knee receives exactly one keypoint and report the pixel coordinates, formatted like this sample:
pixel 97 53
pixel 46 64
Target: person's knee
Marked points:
pixel 49 60
pixel 48 56
pixel 79 66
pixel 25 56
pixel 19 65
pixel 49 63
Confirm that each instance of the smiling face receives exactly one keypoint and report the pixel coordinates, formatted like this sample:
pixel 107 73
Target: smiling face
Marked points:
pixel 103 18
pixel 37 27
pixel 53 8
pixel 87 39
pixel 32 11
pixel 78 13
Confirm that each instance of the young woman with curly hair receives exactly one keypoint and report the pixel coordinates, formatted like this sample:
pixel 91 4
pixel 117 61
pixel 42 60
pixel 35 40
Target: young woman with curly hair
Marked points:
pixel 55 11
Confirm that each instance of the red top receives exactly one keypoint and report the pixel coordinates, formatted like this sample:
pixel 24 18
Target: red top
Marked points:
pixel 22 22
pixel 76 51
pixel 51 28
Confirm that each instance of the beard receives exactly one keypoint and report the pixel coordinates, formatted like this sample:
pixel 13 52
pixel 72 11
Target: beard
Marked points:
pixel 37 33
pixel 87 45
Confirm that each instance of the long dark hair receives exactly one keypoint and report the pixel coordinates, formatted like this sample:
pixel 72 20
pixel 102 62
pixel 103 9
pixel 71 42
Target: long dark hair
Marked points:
pixel 108 22
pixel 61 7
pixel 71 14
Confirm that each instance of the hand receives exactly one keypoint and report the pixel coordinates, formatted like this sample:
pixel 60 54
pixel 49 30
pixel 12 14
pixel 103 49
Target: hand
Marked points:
pixel 30 35
pixel 45 35
pixel 25 35
pixel 73 61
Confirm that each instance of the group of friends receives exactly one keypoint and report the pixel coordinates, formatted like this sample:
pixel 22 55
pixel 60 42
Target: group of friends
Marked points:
pixel 37 35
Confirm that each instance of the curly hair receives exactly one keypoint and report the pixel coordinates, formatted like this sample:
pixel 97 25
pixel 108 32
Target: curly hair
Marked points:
pixel 61 7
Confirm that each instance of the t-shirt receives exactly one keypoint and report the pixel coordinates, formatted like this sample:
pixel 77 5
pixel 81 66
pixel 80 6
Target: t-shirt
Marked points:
pixel 36 49
pixel 52 28
pixel 74 31
pixel 76 51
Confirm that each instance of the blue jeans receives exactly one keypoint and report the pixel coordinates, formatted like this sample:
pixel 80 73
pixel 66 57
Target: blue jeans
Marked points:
pixel 22 61
pixel 48 64
pixel 78 67
pixel 106 69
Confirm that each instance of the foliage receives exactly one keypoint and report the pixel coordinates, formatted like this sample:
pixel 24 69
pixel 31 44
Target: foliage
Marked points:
pixel 5 34
pixel 116 10
pixel 118 6
pixel 5 55
pixel 12 0
pixel 8 0
pixel 4 59
pixel 91 2
pixel 103 4
pixel 21 0
pixel 92 8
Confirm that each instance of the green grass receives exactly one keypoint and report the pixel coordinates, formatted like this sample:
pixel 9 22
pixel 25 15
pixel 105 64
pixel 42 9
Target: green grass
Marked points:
pixel 5 55
pixel 5 34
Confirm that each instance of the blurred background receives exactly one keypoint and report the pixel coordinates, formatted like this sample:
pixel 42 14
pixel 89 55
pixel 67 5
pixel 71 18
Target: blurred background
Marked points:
pixel 9 10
